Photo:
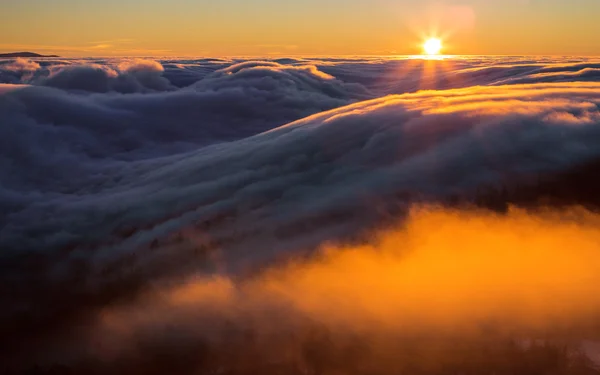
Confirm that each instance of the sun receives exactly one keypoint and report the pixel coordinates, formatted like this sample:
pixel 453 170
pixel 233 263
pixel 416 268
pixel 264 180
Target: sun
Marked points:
pixel 432 46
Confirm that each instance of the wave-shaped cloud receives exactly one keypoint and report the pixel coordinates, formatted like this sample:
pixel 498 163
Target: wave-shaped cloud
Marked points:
pixel 325 169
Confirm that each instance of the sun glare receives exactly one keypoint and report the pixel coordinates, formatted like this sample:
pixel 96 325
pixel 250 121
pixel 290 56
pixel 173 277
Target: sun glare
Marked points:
pixel 432 46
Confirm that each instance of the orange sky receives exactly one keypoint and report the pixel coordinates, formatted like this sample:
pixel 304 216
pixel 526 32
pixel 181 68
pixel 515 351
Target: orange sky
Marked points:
pixel 307 27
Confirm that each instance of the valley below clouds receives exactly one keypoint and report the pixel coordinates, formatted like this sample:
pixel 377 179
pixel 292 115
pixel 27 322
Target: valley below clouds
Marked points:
pixel 168 215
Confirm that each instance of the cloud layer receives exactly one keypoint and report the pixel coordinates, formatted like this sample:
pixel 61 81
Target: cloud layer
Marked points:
pixel 433 143
pixel 117 172
pixel 447 288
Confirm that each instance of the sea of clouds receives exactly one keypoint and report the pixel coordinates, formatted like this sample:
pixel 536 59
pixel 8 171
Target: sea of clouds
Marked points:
pixel 164 185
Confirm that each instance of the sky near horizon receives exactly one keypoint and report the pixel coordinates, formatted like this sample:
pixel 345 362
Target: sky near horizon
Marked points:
pixel 298 27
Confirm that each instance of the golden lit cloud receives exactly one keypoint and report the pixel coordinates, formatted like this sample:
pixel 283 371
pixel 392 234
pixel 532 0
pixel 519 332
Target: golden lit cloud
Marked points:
pixel 454 270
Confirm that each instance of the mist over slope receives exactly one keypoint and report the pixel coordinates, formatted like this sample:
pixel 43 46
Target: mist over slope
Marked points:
pixel 120 179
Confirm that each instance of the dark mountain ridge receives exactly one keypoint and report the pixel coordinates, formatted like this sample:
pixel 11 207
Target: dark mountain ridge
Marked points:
pixel 23 54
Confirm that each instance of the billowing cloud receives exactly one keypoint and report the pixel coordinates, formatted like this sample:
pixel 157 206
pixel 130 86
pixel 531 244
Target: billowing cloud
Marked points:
pixel 444 279
pixel 21 65
pixel 381 75
pixel 131 77
pixel 431 143
pixel 225 106
pixel 93 78
pixel 17 71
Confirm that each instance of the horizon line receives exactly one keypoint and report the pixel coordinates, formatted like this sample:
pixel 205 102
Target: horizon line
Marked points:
pixel 275 56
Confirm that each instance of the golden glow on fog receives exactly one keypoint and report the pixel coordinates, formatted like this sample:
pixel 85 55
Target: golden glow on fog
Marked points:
pixel 432 46
pixel 442 269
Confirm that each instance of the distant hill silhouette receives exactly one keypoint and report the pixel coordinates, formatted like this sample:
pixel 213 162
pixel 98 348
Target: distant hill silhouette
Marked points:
pixel 24 54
